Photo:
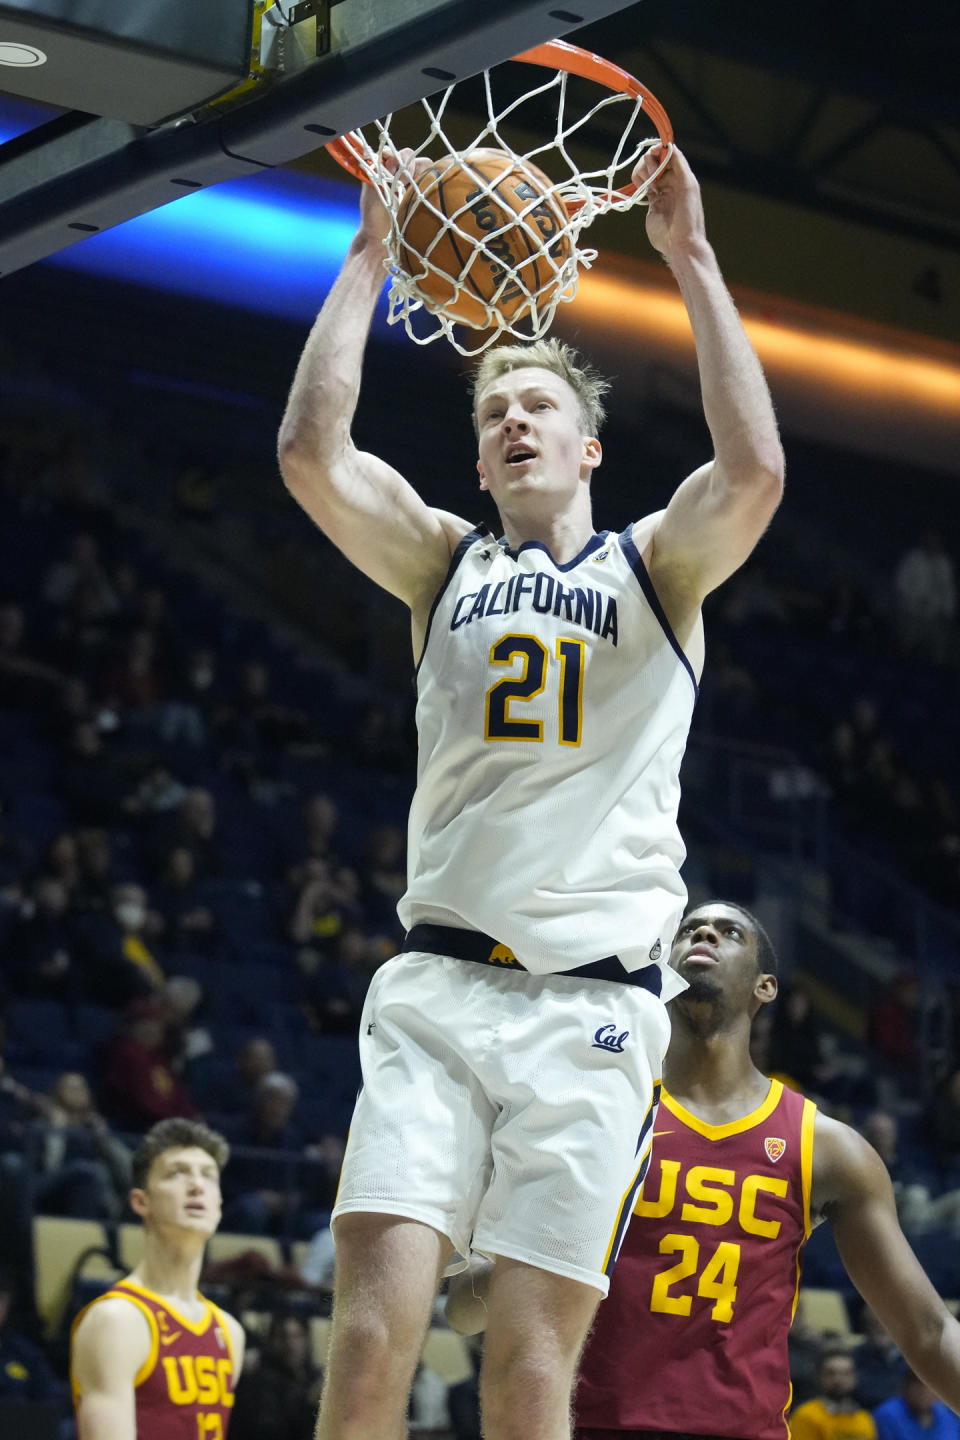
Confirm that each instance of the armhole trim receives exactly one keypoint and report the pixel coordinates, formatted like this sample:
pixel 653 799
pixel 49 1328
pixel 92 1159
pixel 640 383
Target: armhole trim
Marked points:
pixel 635 561
pixel 479 532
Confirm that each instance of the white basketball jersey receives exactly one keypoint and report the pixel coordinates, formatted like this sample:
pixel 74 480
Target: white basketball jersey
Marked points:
pixel 553 709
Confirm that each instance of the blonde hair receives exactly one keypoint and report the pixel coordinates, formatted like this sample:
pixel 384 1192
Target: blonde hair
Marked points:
pixel 560 359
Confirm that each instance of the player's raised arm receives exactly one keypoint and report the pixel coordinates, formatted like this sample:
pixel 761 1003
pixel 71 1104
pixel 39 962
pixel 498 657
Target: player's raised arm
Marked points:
pixel 109 1347
pixel 720 511
pixel 852 1189
pixel 361 503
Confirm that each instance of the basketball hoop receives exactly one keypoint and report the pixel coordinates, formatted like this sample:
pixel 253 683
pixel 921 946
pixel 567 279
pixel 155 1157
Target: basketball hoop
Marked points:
pixel 589 101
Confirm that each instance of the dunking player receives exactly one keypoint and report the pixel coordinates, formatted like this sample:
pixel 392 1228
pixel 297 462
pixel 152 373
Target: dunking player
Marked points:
pixel 692 1338
pixel 151 1359
pixel 503 1098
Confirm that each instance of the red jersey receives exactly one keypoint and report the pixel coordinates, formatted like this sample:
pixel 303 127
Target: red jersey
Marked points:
pixel 184 1388
pixel 692 1338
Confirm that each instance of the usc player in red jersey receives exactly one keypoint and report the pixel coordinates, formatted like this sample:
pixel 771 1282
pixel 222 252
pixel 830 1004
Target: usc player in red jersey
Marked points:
pixel 151 1359
pixel 692 1339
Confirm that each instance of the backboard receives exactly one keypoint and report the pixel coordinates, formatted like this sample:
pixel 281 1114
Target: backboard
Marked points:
pixel 83 172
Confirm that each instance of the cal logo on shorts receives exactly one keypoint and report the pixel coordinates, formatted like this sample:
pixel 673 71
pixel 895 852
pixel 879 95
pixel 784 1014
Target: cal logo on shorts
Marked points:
pixel 503 955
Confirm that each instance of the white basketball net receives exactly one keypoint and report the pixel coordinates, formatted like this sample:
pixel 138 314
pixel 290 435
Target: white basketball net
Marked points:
pixel 580 193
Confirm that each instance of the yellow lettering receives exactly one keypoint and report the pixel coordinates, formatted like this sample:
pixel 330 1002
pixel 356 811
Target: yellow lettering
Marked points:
pixel 660 1298
pixel 224 1375
pixel 718 1280
pixel 655 1209
pixel 208 1387
pixel 209 1427
pixel 748 1201
pixel 717 1207
pixel 185 1392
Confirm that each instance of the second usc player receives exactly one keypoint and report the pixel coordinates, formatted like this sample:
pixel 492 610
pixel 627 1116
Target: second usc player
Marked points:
pixel 152 1359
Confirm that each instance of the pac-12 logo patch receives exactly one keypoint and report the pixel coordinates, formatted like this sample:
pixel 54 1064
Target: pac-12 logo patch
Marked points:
pixel 607 1038
pixel 656 951
pixel 775 1146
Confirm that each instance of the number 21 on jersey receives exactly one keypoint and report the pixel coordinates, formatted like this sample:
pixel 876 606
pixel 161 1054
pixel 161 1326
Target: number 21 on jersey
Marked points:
pixel 527 655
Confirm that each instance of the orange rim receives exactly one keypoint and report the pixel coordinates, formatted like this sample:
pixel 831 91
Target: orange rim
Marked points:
pixel 553 55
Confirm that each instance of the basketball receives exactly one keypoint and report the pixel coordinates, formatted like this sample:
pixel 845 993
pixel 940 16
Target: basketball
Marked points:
pixel 482 229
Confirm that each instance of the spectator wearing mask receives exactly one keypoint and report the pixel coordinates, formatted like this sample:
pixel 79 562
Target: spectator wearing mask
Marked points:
pixel 120 962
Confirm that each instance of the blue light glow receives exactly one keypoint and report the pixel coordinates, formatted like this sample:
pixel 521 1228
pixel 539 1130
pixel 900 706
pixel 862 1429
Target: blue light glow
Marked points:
pixel 271 242
pixel 18 116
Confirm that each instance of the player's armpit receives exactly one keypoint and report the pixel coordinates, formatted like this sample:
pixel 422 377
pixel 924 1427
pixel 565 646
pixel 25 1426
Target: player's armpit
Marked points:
pixel 377 520
pixel 711 526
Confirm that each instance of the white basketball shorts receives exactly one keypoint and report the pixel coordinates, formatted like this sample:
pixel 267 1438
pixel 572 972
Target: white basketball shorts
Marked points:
pixel 512 1112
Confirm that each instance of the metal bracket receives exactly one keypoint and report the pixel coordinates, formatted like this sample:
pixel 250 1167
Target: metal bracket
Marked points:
pixel 293 35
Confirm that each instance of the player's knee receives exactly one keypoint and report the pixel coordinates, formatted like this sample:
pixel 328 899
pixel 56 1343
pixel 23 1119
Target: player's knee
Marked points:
pixel 516 1395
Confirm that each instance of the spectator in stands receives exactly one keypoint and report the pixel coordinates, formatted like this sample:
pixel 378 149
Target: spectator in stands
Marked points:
pixel 334 985
pixel 261 1199
pixel 140 1085
pixel 82 1169
pixel 25 1371
pixel 893 1023
pixel 38 956
pixel 912 1191
pixel 384 874
pixel 925 596
pixel 151 612
pixel 157 792
pixel 835 1413
pixel 80 636
pixel 189 923
pixel 315 837
pixel 119 964
pixel 943 1116
pixel 27 681
pixel 796 1041
pixel 255 1060
pixel 65 1179
pixel 378 743
pixel 60 861
pixel 277 1399
pixel 95 882
pixel 193 826
pixel 848 613
pixel 326 904
pixel 880 1366
pixel 187 1040
pixel 327 1154
pixel 134 684
pixel 915 1414
pixel 804 1345
pixel 81 566
pixel 89 780
pixel 188 716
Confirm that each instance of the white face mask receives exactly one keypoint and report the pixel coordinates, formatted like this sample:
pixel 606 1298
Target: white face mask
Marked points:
pixel 131 914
